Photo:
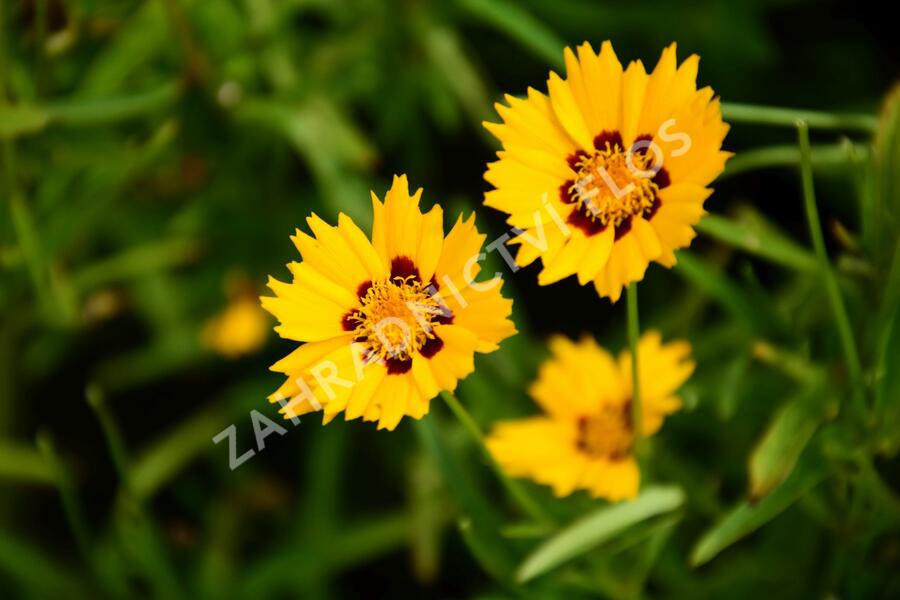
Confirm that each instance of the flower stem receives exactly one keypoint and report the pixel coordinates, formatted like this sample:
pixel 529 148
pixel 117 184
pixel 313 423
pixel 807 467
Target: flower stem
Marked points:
pixel 848 343
pixel 789 117
pixel 525 502
pixel 634 332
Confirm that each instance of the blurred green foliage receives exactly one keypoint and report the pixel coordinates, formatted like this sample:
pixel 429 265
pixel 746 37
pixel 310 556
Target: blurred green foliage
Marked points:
pixel 153 152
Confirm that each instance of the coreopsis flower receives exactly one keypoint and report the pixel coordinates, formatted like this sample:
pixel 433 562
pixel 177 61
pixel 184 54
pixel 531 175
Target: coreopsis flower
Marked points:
pixel 585 438
pixel 241 327
pixel 387 323
pixel 619 160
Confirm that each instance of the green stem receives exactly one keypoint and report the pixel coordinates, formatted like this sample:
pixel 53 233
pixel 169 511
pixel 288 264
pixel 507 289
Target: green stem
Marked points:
pixel 788 117
pixel 823 156
pixel 71 505
pixel 634 332
pixel 40 36
pixel 525 502
pixel 848 343
pixel 96 399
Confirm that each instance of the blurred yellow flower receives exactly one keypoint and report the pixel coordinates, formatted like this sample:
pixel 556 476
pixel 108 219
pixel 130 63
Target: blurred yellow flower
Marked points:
pixel 585 439
pixel 239 329
pixel 621 160
pixel 387 323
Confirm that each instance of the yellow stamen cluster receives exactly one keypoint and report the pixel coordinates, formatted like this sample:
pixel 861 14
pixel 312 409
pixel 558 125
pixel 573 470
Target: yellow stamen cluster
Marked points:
pixel 607 434
pixel 396 317
pixel 613 186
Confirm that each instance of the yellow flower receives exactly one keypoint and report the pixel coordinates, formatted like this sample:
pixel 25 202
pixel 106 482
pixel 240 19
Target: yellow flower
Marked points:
pixel 619 160
pixel 585 439
pixel 238 330
pixel 388 323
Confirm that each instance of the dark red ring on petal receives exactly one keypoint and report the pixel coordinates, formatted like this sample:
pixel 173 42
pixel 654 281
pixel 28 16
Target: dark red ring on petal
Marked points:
pixel 431 347
pixel 578 218
pixel 347 321
pixel 398 366
pixel 613 137
pixel 363 289
pixel 661 179
pixel 623 228
pixel 564 194
pixel 575 158
pixel 403 267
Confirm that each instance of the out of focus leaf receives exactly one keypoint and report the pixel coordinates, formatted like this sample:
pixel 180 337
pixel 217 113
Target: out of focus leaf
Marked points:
pixel 785 438
pixel 719 287
pixel 165 458
pixel 747 517
pixel 752 234
pixel 102 111
pixel 134 262
pixel 20 120
pixel 888 391
pixel 514 20
pixel 887 166
pixel 24 463
pixel 824 157
pixel 293 567
pixel 446 52
pixel 602 525
pixel 489 554
pixel 29 567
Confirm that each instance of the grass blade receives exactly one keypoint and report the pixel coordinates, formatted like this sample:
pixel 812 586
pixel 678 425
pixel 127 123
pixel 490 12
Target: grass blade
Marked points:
pixel 602 525
pixel 746 518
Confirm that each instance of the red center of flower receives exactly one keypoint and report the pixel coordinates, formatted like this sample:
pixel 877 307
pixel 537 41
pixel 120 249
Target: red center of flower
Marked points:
pixel 607 434
pixel 612 186
pixel 396 317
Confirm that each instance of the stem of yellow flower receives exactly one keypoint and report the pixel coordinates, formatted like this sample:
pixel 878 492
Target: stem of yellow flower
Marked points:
pixel 788 117
pixel 521 497
pixel 634 332
pixel 848 343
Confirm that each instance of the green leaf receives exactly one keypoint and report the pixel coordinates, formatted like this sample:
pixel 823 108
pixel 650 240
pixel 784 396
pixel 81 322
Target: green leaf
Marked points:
pixel 21 120
pixel 751 233
pixel 487 551
pixel 511 19
pixel 713 282
pixel 24 463
pixel 30 567
pixel 787 435
pixel 600 526
pixel 887 399
pixel 887 164
pixel 746 517
pixel 788 117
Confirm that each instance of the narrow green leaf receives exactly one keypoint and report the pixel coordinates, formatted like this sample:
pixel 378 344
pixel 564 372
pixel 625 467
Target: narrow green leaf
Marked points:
pixel 746 518
pixel 602 525
pixel 21 120
pixel 89 112
pixel 788 433
pixel 887 399
pixel 788 117
pixel 824 156
pixel 486 550
pixel 718 286
pixel 33 570
pixel 512 19
pixel 887 165
pixel 24 463
pixel 752 234
pixel 165 458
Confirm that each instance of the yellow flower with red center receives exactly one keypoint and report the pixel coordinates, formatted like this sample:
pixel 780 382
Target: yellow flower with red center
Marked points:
pixel 387 323
pixel 585 438
pixel 619 160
